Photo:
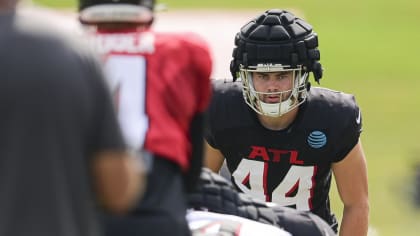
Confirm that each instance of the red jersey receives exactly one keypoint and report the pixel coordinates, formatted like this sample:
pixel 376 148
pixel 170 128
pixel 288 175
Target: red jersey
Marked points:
pixel 160 81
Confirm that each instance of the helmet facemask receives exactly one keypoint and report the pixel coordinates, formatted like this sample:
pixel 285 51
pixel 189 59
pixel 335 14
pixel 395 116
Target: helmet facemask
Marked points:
pixel 288 99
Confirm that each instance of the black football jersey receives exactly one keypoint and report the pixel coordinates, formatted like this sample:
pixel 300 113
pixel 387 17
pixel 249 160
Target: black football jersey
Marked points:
pixel 291 167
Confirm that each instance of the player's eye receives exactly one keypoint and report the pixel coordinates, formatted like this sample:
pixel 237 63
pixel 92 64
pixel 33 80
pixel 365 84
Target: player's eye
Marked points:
pixel 262 76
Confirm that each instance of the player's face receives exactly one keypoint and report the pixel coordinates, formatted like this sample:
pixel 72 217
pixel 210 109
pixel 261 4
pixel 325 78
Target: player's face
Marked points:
pixel 275 86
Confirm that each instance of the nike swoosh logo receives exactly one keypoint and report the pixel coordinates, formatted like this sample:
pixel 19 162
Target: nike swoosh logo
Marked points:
pixel 358 118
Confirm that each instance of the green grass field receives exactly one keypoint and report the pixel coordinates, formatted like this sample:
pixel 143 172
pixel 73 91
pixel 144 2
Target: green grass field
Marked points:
pixel 370 49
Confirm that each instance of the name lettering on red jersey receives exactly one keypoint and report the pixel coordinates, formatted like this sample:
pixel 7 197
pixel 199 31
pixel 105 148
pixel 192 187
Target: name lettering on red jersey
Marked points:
pixel 124 43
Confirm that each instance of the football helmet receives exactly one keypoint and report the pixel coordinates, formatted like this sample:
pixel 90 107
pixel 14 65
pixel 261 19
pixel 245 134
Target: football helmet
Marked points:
pixel 116 11
pixel 276 41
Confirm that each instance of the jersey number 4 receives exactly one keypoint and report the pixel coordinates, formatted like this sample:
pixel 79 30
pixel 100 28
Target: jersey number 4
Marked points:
pixel 251 177
pixel 126 75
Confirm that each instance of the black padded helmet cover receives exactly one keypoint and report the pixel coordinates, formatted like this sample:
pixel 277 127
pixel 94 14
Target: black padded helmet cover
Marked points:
pixel 277 37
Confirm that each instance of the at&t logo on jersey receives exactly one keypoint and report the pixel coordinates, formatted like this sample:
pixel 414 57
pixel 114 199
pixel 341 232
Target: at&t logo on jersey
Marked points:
pixel 317 139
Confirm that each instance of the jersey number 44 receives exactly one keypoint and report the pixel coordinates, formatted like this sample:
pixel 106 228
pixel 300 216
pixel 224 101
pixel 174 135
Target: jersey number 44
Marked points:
pixel 295 189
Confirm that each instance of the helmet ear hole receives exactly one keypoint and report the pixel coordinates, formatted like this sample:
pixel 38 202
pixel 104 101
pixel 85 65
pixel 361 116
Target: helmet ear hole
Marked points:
pixel 234 71
pixel 317 70
pixel 308 86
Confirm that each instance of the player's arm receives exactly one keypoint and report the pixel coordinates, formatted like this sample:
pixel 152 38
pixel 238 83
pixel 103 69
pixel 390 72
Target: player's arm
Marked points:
pixel 119 180
pixel 192 176
pixel 213 158
pixel 351 179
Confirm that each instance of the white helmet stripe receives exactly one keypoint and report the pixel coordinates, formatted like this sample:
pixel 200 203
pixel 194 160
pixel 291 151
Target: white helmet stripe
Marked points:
pixel 116 13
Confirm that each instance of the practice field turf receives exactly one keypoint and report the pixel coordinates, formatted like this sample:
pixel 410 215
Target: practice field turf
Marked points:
pixel 370 49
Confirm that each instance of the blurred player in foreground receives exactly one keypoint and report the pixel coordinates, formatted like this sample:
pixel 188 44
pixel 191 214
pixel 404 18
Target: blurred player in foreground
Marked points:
pixel 62 153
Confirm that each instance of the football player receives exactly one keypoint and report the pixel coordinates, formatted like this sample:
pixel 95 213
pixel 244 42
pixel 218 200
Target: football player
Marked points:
pixel 281 138
pixel 161 85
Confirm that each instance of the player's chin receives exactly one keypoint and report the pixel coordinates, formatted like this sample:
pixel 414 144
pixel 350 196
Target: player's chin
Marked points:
pixel 272 100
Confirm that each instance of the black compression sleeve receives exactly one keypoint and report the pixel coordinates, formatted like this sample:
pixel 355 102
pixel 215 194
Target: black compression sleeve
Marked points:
pixel 196 162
